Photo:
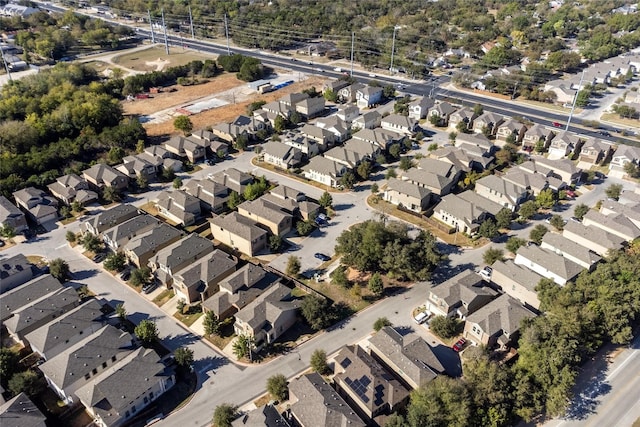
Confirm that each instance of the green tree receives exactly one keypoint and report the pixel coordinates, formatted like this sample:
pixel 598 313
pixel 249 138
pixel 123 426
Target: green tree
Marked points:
pixel 177 183
pixel 405 163
pixel 184 357
pixel 115 155
pixel 557 222
pixel 243 347
pixel 241 142
pixel 503 218
pixel 546 199
pixel 395 420
pixel 142 182
pixel 121 312
pixel 293 266
pixel 279 124
pixel 146 331
pixel 295 118
pixel 211 323
pixel 435 120
pixel 488 229
pixel 115 262
pixel 110 194
pixel 275 243
pixel 71 236
pixel 91 242
pixel 364 170
pixel 319 361
pixel 444 327
pixel 183 124
pixel 462 127
pixel 580 211
pixel 140 276
pixel 330 95
pixel 376 285
pixel 613 191
pixel 325 200
pixel 514 243
pixel 492 255
pixel 582 99
pixel 380 323
pixel 65 211
pixel 538 233
pixel 234 200
pixel 316 311
pixel 339 277
pixel 76 206
pixel 374 188
pixel 478 109
pixel 8 364
pixel 304 228
pixel 348 180
pixel 452 137
pixel 394 151
pixel 432 147
pixel 528 209
pixel 59 269
pixel 140 146
pixel 224 414
pixel 26 382
pixel 7 231
pixel 444 402
pixel 391 173
pixel 277 386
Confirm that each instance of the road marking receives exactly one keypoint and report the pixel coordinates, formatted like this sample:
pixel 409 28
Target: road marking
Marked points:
pixel 622 365
pixel 61 246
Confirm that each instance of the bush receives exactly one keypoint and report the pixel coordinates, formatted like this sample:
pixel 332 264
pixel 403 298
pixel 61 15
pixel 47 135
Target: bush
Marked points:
pixel 277 387
pixel 380 323
pixel 492 255
pixel 224 414
pixel 444 327
pixel 538 233
pixel 319 362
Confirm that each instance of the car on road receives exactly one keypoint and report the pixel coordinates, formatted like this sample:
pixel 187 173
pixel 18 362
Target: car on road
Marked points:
pixel 486 273
pixel 604 133
pixel 99 257
pixel 322 257
pixel 459 345
pixel 148 287
pixel 557 124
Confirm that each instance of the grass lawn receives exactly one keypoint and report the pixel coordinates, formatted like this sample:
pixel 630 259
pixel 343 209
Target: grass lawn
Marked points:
pixel 163 297
pixel 225 336
pixel 36 260
pixel 138 60
pixel 187 319
pixel 614 118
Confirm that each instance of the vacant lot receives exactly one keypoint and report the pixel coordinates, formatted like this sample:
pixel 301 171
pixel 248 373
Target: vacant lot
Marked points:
pixel 155 58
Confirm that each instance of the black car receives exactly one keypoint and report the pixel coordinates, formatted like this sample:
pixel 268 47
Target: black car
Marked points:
pixel 604 133
pixel 125 275
pixel 147 288
pixel 99 257
pixel 322 257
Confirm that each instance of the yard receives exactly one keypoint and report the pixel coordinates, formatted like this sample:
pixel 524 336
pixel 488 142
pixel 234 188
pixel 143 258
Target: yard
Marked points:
pixel 155 58
pixel 188 319
pixel 163 297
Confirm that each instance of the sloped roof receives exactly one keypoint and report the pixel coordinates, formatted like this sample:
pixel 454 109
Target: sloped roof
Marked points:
pixel 503 314
pixel 267 307
pixel 324 166
pixel 54 305
pixel 21 412
pixel 502 187
pixel 152 240
pixel 14 265
pixel 238 225
pixel 618 223
pixel 559 243
pixel 127 230
pixel 557 264
pixel 265 416
pixel 463 287
pixel 190 247
pixel 8 209
pixel 27 294
pixel 523 276
pixel 407 188
pixel 593 234
pixel 208 269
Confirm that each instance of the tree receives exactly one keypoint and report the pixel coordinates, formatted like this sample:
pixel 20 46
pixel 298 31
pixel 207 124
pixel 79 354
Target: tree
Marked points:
pixel 444 402
pixel 177 182
pixel 115 155
pixel 224 414
pixel 391 173
pixel 539 147
pixel 8 364
pixel 71 236
pixel 506 154
pixel 65 211
pixel 91 242
pixel 492 255
pixel 325 200
pixel 121 312
pixel 277 386
pixel 319 362
pixel 580 211
pixel 211 323
pixel 444 327
pixel 395 420
pixel 488 229
pixel 241 142
pixel 26 382
pixel 7 231
pixel 432 147
pixel 546 199
pixel 631 169
pixel 146 331
pixel 503 218
pixel 478 109
pixel 405 163
pixel 364 170
pixel 110 194
pixel 435 119
pixel 380 323
pixel 514 243
pixel 279 124
pixel 140 276
pixel 538 233
pixel 557 222
pixel 374 188
pixel 293 266
pixel 339 277
pixel 376 285
pixel 316 311
pixel 115 262
pixel 243 346
pixel 528 209
pixel 348 180
pixel 453 136
pixel 234 200
pixel 183 123
pixel 394 151
pixel 613 191
pixel 304 228
pixel 275 243
pixel 142 182
pixel 184 357
pixel 462 127
pixel 59 269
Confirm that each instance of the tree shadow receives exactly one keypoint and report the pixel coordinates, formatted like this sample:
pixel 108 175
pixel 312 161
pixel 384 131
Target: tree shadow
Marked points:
pixel 449 359
pixel 404 330
pixel 586 400
pixel 342 206
pixel 445 271
pixel 180 340
pixel 84 274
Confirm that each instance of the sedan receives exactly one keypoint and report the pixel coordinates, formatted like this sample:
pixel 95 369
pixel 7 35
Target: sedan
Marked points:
pixel 459 345
pixel 147 288
pixel 99 257
pixel 322 257
pixel 557 124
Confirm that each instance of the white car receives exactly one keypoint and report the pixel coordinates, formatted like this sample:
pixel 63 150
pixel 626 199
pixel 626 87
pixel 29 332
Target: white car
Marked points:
pixel 421 317
pixel 486 273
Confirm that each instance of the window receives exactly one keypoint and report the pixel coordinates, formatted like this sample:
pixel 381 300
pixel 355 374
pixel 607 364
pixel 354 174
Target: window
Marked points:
pixel 146 399
pixel 113 358
pixel 94 371
pixel 87 376
pixel 126 414
pixel 104 365
pixel 133 409
pixel 151 395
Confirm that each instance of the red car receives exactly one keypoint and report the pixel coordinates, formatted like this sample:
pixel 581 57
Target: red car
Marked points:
pixel 556 124
pixel 459 345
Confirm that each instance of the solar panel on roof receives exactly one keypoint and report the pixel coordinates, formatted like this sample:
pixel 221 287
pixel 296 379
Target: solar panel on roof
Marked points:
pixel 346 362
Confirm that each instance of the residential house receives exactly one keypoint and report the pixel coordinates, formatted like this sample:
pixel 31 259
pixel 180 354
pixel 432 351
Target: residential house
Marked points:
pixel 615 223
pixel 109 218
pixel 409 357
pixel 309 146
pixel 510 130
pixel 219 148
pixel 563 169
pixel 456 157
pixel 126 389
pixel 443 111
pixel 293 202
pixel 242 125
pixel 563 144
pixel 497 323
pixel 338 127
pixel 291 99
pixel 517 281
pixel 368 96
pixel 539 176
pixel 179 207
pixel 334 85
pixel 324 171
pixel 347 94
pixel 240 233
pixel 350 158
pixel 348 112
pixel 267 317
pixel 204 134
pixel 418 108
pixel 271 216
pixel 460 296
pixel 624 154
pixel 168 162
pixel 367 120
pixel 70 188
pixel 487 123
pixel 438 176
pixel 548 263
pixel 192 149
pixel 362 149
pixel 399 123
pixel 501 191
pixel 101 175
pixel 282 155
pixel 593 238
pixel 28 293
pixel 142 247
pixel 630 197
pixel 199 281
pixel 407 195
pixel 179 255
pixel 366 385
pixel 21 411
pixel 534 183
pixel 475 144
pixel 464 115
pixel 14 271
pixel 33 316
pixel 233 179
pixel 465 211
pixel 39 206
pixel 278 109
pixel 314 403
pixel 212 195
pixel 562 89
pixel 537 134
pixel 11 216
pixel 238 290
pixel 264 416
pixel 324 137
pixel 379 137
pixel 118 236
pixel 141 166
pixel 310 107
pixel 54 337
pixel 630 209
pixel 570 250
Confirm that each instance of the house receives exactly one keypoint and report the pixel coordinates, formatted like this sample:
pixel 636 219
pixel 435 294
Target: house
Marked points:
pixel 464 115
pixel 40 207
pixel 334 85
pixel 309 146
pixel 460 296
pixel 350 157
pixel 418 108
pixel 539 176
pixel 363 149
pixel 292 99
pixel 438 176
pixel 118 236
pixel 213 196
pixel 465 211
pixel 28 293
pixel 238 289
pixel 563 144
pixel 367 120
pixel 21 411
pixel 368 96
pixel 179 255
pixel 324 137
pixel 14 271
pixel 129 386
pixel 242 125
pixel 338 127
pixel 347 94
pixel 192 149
pixel 199 280
pixel 461 159
pixel 548 263
pixel 510 130
pixel 282 155
pixel 101 175
pixel 407 194
pixel 570 250
pixel 517 281
pixel 348 112
pixel 615 223
pixel 562 89
pixel 54 337
pixel 33 316
pixel 267 317
pixel 443 111
pixel 399 123
pixel 179 207
pixel 271 216
pixel 534 183
pixel 324 171
pixel 292 202
pixel 264 416
pixel 278 109
pixel 314 403
pixel 239 232
pixel 487 123
pixel 537 134
pixel 593 238
pixel 140 248
pixel 629 209
pixel 624 154
pixel 109 218
pixel 70 188
pixel 168 162
pixel 500 191
pixel 219 148
pixel 309 108
pixel 142 166
pixel 233 179
pixel 366 385
pixel 409 357
pixel 11 216
pixel 563 169
pixel 475 144
pixel 379 137
pixel 629 197
pixel 497 323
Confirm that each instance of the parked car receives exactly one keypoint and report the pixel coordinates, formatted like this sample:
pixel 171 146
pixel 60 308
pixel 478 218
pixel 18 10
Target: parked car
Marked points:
pixel 486 273
pixel 125 274
pixel 99 257
pixel 574 219
pixel 1 243
pixel 459 345
pixel 147 288
pixel 421 317
pixel 322 257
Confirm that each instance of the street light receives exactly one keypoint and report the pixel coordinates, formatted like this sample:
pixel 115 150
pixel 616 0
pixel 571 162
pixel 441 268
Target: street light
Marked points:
pixel 393 46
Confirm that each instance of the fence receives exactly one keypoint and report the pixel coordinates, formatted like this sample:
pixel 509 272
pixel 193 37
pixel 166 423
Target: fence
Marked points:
pixel 298 284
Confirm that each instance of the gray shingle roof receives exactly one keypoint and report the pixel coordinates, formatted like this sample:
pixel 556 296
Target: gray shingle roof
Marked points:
pixel 502 187
pixel 152 240
pixel 129 229
pixel 407 188
pixel 234 179
pixel 54 305
pixel 594 234
pixel 550 260
pixel 14 265
pixel 8 209
pixel 525 277
pixel 561 244
pixel 464 287
pixel 112 217
pixel 265 416
pixel 284 192
pixel 238 225
pixel 503 314
pixel 21 412
pixel 28 293
pixel 208 269
pixel 190 247
pixel 267 307
pixel 102 173
pixel 620 225
pixel 324 166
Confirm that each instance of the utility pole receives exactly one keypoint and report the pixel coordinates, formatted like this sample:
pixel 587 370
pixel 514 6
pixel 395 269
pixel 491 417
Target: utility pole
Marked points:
pixel 353 39
pixel 575 99
pixel 393 47
pixel 164 28
pixel 153 36
pixel 226 32
pixel 193 34
pixel 6 66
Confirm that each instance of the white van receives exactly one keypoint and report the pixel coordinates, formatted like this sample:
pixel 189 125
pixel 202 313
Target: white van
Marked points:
pixel 421 317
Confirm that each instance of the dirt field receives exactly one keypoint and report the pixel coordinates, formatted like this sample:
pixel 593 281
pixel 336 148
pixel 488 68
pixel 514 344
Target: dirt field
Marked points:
pixel 155 58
